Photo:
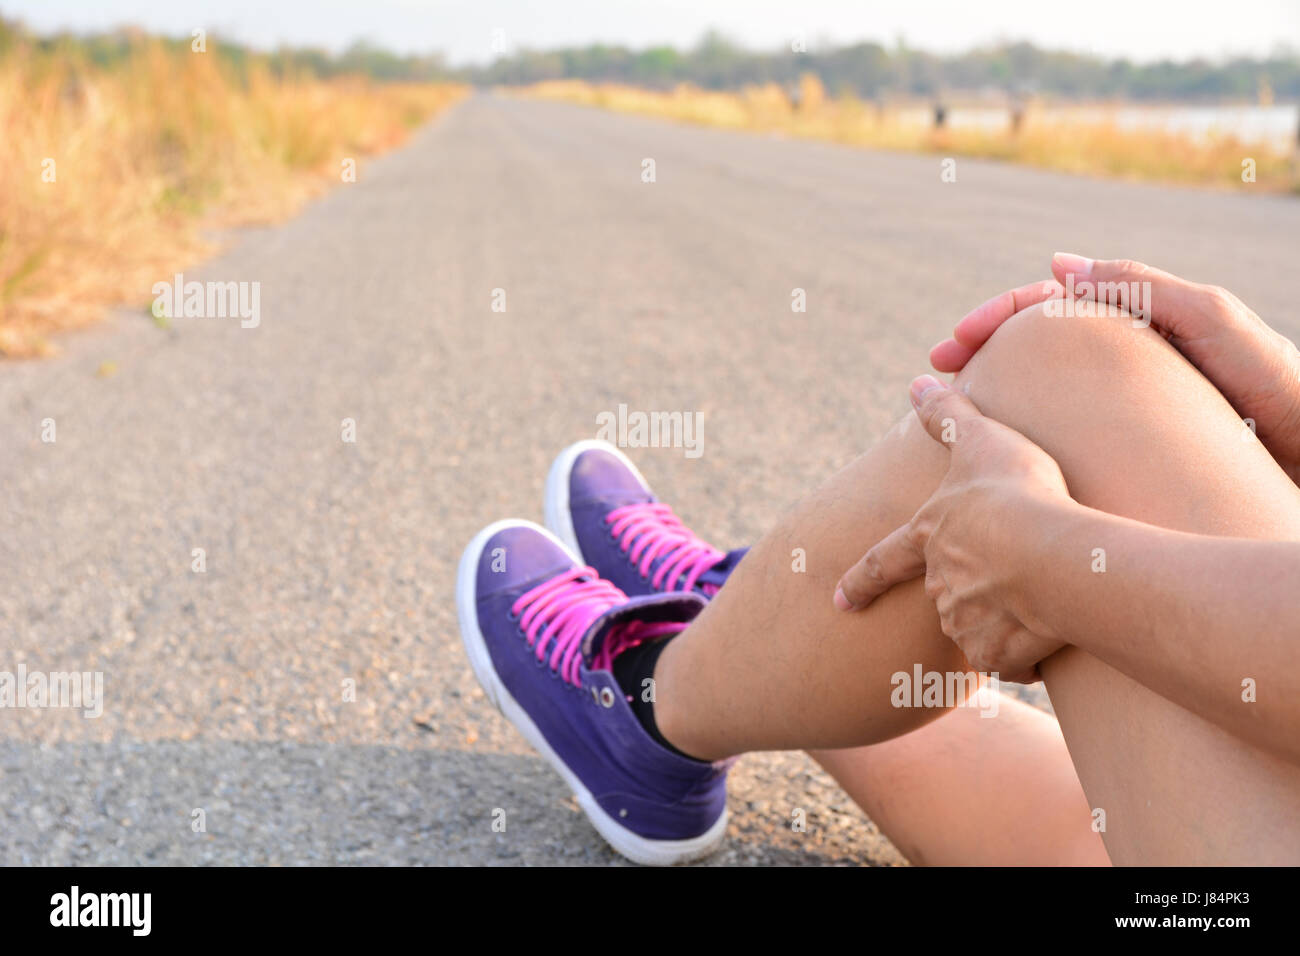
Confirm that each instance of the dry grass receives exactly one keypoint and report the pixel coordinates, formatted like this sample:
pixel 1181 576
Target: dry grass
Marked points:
pixel 148 156
pixel 1053 139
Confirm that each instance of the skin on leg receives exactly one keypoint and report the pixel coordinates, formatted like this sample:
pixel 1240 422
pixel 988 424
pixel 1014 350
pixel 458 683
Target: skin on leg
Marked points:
pixel 770 664
pixel 970 788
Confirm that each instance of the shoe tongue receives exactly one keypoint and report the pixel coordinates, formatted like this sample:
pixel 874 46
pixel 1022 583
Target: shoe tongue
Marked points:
pixel 718 574
pixel 676 606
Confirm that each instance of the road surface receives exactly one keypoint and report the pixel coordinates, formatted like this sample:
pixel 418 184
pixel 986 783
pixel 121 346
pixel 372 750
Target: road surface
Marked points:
pixel 330 562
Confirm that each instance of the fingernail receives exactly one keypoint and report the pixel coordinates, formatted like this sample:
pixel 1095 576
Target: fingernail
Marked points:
pixel 841 601
pixel 922 385
pixel 1079 265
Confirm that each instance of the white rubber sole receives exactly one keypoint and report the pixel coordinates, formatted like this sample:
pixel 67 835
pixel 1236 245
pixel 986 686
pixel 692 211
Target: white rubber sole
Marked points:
pixel 636 848
pixel 555 501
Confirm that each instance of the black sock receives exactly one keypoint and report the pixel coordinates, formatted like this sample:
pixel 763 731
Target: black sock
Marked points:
pixel 631 669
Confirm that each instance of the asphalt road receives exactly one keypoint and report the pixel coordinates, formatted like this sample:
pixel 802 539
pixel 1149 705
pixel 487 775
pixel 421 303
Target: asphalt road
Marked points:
pixel 329 561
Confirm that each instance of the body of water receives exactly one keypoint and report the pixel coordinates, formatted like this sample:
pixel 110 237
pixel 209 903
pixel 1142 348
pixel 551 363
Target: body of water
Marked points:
pixel 1274 125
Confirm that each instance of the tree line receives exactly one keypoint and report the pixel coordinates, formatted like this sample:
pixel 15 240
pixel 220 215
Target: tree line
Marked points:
pixel 868 70
pixel 871 70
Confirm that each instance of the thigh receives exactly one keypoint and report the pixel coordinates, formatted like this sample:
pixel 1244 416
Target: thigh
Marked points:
pixel 1138 432
pixel 770 664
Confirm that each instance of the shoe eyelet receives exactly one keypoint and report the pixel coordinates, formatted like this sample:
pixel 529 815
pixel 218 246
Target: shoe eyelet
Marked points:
pixel 595 696
pixel 606 697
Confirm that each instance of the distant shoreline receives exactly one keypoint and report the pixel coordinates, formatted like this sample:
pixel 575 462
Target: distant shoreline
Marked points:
pixel 1243 148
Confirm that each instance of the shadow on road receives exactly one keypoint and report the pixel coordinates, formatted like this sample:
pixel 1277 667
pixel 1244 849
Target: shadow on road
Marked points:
pixel 278 803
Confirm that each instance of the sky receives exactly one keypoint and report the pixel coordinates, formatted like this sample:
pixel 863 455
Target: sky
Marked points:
pixel 464 30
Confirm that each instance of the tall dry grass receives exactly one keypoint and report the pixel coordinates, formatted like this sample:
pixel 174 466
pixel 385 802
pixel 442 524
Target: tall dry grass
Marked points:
pixel 150 154
pixel 1052 139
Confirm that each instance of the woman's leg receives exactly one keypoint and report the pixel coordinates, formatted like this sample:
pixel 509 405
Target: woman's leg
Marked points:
pixel 968 788
pixel 770 664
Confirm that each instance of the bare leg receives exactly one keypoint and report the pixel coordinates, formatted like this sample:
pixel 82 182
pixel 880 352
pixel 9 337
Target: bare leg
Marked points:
pixel 771 665
pixel 999 791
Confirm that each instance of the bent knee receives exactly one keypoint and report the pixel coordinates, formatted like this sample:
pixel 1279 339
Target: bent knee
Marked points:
pixel 1116 406
pixel 1038 346
pixel 1091 372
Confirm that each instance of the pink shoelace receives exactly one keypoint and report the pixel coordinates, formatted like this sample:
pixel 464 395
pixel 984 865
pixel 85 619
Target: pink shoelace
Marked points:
pixel 651 530
pixel 557 614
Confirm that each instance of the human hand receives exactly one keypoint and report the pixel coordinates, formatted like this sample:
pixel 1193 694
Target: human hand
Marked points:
pixel 999 490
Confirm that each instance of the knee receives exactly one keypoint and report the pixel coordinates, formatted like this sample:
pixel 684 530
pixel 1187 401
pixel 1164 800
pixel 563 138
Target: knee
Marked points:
pixel 1110 402
pixel 1044 372
pixel 1041 343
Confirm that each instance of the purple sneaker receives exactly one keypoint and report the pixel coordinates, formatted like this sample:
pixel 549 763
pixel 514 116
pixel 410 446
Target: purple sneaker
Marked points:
pixel 542 632
pixel 599 505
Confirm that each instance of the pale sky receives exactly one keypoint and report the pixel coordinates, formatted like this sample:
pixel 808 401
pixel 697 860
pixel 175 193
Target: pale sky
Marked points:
pixel 1141 30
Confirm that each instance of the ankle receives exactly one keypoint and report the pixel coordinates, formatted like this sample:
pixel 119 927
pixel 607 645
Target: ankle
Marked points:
pixel 673 720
